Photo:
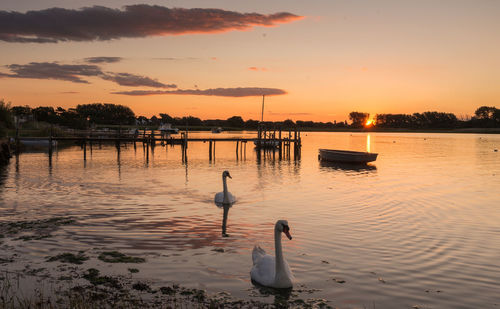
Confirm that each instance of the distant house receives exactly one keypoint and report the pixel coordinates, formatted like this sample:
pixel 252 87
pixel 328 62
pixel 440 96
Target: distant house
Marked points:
pixel 20 119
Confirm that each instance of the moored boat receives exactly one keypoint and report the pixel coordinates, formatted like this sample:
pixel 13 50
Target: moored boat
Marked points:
pixel 266 143
pixel 346 156
pixel 37 143
pixel 167 129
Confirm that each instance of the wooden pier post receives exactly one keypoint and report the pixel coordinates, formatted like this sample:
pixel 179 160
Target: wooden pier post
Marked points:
pixel 295 142
pixel 280 144
pixel 85 149
pixel 91 142
pixel 50 142
pixel 237 144
pixel 210 151
pixel 259 136
pixel 17 140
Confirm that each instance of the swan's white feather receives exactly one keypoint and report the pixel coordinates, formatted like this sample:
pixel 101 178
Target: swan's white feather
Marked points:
pixel 219 198
pixel 265 270
pixel 264 267
pixel 257 253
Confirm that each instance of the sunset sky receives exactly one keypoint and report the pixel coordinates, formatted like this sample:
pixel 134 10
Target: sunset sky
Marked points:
pixel 315 60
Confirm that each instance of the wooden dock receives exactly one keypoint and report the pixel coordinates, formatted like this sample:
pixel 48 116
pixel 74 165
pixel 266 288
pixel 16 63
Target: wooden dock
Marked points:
pixel 267 140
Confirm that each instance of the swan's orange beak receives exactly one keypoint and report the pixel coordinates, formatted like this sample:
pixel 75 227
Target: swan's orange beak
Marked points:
pixel 286 230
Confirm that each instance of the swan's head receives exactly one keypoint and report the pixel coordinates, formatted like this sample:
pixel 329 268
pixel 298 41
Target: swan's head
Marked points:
pixel 226 174
pixel 282 226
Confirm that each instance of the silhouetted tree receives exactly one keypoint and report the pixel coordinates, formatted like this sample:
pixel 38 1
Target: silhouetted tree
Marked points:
pixel 154 120
pixel 45 113
pixel 358 119
pixel 485 112
pixel 165 118
pixel 21 110
pixel 251 124
pixel 235 121
pixel 6 120
pixel 141 120
pixel 192 121
pixel 106 113
pixel 288 123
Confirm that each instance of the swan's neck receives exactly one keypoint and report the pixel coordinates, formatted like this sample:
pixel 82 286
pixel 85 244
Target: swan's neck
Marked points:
pixel 226 195
pixel 280 262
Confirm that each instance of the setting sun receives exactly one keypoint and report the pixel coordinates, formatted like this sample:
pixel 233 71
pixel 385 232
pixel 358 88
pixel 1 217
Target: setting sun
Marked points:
pixel 369 122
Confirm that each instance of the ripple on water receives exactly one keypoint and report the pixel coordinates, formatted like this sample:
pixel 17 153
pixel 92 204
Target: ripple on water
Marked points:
pixel 423 218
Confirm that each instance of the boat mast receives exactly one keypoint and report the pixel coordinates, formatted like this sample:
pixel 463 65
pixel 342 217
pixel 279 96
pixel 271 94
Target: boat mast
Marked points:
pixel 262 116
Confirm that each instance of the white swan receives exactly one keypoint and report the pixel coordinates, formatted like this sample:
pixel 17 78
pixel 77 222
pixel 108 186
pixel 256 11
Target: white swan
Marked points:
pixel 225 197
pixel 268 270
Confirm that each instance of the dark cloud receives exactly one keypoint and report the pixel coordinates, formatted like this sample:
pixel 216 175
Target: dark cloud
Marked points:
pixel 103 59
pixel 101 23
pixel 219 92
pixel 131 80
pixel 54 70
pixel 74 73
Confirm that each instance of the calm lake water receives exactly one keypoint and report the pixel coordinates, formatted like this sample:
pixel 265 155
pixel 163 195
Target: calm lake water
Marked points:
pixel 420 226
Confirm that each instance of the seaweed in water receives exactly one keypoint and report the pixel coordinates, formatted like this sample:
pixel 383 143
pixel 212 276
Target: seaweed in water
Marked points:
pixel 118 257
pixel 69 258
pixel 93 277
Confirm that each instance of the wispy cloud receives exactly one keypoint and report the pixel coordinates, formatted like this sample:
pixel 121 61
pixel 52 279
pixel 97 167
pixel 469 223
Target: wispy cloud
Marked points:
pixel 54 70
pixel 75 73
pixel 103 59
pixel 176 59
pixel 220 92
pixel 102 23
pixel 257 69
pixel 131 80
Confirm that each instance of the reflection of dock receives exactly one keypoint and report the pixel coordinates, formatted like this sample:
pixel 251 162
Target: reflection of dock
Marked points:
pixel 278 138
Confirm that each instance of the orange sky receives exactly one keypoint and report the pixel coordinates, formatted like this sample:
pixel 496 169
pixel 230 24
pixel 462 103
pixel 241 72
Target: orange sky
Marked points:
pixel 322 59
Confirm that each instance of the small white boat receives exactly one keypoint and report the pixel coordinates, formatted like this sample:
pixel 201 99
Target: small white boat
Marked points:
pixel 133 132
pixel 217 130
pixel 346 156
pixel 167 129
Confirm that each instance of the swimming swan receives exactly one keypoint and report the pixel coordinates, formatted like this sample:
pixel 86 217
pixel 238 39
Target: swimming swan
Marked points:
pixel 268 270
pixel 224 197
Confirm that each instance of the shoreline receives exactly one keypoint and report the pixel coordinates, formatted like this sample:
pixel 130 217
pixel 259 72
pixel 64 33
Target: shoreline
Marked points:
pixel 5 152
pixel 339 130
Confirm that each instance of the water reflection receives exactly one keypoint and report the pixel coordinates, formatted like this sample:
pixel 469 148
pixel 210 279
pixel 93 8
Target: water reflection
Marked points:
pixel 225 213
pixel 281 296
pixel 347 166
pixel 3 175
pixel 408 219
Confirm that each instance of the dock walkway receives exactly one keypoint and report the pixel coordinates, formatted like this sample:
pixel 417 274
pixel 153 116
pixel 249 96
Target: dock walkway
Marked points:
pixel 266 140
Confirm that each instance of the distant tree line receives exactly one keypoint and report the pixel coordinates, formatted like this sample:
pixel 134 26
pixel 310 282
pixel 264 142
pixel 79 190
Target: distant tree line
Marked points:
pixel 484 117
pixel 113 114
pixel 5 118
